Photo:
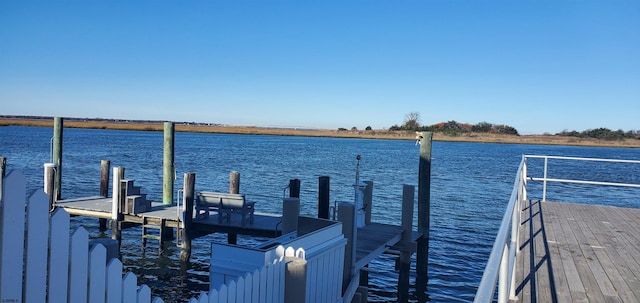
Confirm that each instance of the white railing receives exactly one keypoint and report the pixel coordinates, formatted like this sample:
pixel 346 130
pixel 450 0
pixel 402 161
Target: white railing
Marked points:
pixel 500 266
pixel 546 179
pixel 41 262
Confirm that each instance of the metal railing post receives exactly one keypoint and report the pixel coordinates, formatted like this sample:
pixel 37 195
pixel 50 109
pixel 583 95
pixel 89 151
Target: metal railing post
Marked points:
pixel 544 181
pixel 503 283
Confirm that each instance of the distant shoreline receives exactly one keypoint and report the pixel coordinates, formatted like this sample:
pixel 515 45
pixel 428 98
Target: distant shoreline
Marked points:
pixel 364 134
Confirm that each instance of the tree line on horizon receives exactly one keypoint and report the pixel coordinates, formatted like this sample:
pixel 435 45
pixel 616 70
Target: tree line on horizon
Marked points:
pixel 412 123
pixel 602 133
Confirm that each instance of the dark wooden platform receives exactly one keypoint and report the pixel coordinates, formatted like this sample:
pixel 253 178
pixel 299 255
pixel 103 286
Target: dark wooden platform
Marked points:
pixel 264 225
pixel 578 253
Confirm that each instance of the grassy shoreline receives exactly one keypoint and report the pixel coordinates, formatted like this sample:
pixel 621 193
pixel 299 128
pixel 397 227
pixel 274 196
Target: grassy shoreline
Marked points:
pixel 366 134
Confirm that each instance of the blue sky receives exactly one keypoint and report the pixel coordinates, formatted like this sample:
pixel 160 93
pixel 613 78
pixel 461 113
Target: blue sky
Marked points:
pixel 539 66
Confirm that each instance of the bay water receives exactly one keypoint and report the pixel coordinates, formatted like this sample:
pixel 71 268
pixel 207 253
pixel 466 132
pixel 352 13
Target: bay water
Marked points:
pixel 471 184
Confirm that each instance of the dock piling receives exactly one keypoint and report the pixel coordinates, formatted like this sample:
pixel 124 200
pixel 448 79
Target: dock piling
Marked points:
pixel 168 164
pixel 323 197
pixel 50 183
pixel 58 126
pixel 234 182
pixel 116 216
pixel 424 213
pixel 346 213
pixel 368 201
pixel 104 177
pixel 189 194
pixel 294 188
pixel 104 188
pixel 290 213
pixel 408 196
pixel 234 188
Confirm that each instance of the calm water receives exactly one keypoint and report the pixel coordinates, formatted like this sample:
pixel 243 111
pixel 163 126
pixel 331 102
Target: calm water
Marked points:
pixel 471 183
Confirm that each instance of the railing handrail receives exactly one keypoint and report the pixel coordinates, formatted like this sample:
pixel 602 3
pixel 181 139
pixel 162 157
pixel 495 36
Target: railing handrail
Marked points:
pixel 495 264
pixel 500 265
pixel 546 179
pixel 582 159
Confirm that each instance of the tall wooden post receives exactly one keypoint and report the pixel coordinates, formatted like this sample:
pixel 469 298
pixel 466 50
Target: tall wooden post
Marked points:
pixel 234 188
pixel 346 215
pixel 104 177
pixel 189 194
pixel 324 187
pixel 290 214
pixel 234 182
pixel 294 188
pixel 408 197
pixel 424 213
pixel 105 166
pixel 115 205
pixel 368 201
pixel 168 166
pixel 3 166
pixel 49 183
pixel 57 154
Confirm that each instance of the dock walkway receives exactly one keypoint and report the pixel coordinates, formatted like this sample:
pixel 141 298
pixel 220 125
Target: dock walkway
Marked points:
pixel 578 253
pixel 264 225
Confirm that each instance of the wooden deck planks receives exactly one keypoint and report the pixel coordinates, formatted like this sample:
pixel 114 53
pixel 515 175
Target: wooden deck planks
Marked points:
pixel 580 253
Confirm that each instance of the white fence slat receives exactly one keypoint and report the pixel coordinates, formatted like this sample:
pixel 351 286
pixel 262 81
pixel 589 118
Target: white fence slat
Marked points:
pixel 271 297
pixel 144 294
pixel 204 298
pixel 12 237
pixel 58 256
pixel 248 283
pixel 231 294
pixel 193 300
pixel 263 286
pixel 114 281
pixel 214 296
pixel 240 290
pixel 97 273
pixel 79 266
pixel 157 300
pixel 329 278
pixel 129 288
pixel 338 280
pixel 281 266
pixel 35 287
pixel 255 290
pixel 223 295
pixel 335 279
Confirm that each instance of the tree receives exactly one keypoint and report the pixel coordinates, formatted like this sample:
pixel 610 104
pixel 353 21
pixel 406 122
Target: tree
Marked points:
pixel 411 121
pixel 368 128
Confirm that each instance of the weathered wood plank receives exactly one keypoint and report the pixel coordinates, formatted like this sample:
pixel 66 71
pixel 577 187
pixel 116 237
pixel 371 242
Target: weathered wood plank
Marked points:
pixel 581 253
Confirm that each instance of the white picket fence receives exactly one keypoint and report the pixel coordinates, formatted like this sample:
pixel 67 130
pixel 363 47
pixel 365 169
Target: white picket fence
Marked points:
pixel 41 262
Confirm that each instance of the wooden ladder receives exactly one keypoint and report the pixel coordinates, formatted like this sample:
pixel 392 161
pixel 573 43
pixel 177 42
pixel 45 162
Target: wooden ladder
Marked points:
pixel 148 225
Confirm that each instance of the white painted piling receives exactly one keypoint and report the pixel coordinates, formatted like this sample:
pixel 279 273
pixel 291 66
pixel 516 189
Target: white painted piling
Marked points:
pixel 290 214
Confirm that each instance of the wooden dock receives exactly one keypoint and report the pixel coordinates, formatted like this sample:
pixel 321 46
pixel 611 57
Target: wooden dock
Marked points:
pixel 264 225
pixel 578 253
